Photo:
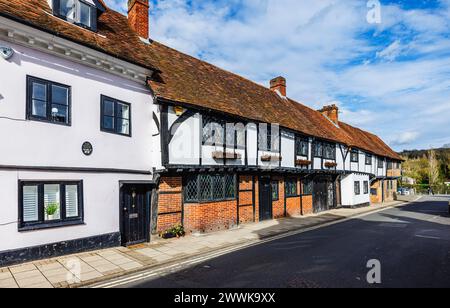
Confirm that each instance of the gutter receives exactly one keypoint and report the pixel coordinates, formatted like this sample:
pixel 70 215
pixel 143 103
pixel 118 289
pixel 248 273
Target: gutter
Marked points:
pixel 55 33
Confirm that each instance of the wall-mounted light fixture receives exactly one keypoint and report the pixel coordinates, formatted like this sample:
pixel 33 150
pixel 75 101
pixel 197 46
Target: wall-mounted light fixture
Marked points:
pixel 178 110
pixel 6 52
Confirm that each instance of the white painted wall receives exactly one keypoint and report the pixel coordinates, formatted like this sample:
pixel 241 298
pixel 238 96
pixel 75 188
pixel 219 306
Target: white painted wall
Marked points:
pixel 101 208
pixel 252 144
pixel 32 143
pixel 288 149
pixel 340 155
pixel 185 146
pixel 348 190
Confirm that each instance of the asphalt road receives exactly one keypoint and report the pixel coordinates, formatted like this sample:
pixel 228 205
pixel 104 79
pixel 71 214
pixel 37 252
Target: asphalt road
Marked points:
pixel 412 244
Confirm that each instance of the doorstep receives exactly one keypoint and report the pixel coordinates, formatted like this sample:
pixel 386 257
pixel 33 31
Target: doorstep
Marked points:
pixel 93 267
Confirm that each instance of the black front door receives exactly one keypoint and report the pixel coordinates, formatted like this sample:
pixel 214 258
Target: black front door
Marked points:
pixel 320 196
pixel 265 199
pixel 135 209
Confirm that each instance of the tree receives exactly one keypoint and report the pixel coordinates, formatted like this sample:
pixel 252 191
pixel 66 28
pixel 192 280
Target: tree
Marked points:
pixel 433 168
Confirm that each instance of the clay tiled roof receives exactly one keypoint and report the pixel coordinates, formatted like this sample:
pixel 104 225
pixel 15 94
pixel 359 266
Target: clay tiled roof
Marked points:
pixel 189 81
pixel 368 141
pixel 114 36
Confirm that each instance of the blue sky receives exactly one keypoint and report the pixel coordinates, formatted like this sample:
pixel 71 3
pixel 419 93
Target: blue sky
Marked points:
pixel 391 76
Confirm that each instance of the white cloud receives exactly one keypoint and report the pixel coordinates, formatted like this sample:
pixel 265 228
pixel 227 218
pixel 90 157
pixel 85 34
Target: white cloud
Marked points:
pixel 391 52
pixel 404 138
pixel 396 80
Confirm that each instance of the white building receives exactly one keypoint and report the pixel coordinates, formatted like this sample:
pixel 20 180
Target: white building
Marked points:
pixel 109 137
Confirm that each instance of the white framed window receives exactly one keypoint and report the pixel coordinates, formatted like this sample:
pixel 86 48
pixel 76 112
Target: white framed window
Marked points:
pixel 81 12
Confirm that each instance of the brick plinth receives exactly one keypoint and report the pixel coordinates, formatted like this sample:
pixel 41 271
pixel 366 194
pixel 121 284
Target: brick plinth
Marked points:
pixel 307 205
pixel 209 217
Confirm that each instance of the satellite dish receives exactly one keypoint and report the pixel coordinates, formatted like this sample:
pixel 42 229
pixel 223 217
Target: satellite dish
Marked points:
pixel 6 52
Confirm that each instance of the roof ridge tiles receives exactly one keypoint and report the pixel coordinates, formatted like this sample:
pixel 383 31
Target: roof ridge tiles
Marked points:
pixel 189 80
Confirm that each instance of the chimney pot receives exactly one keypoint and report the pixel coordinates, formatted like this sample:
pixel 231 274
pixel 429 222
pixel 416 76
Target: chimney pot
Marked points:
pixel 138 18
pixel 331 112
pixel 278 85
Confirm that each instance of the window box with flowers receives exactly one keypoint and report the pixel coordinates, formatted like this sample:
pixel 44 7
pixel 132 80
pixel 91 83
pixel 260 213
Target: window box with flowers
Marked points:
pixel 303 162
pixel 226 155
pixel 330 165
pixel 269 158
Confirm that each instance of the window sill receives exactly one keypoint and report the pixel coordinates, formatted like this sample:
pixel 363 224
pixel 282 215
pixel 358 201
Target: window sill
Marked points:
pixel 209 201
pixel 103 130
pixel 55 225
pixel 47 121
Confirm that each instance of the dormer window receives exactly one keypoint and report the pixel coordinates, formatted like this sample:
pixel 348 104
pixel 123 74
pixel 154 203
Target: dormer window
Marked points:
pixel 83 13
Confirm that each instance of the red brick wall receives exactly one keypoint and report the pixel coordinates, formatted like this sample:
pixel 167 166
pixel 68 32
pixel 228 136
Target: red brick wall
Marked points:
pixel 378 197
pixel 169 203
pixel 293 207
pixel 256 199
pixel 307 205
pixel 245 199
pixel 208 217
pixel 278 206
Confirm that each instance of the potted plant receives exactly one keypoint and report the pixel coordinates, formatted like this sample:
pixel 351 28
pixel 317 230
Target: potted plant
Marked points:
pixel 330 164
pixel 51 210
pixel 226 155
pixel 302 162
pixel 270 158
pixel 176 231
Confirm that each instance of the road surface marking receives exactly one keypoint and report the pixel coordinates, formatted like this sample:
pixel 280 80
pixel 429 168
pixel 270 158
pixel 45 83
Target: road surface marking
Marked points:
pixel 166 270
pixel 429 237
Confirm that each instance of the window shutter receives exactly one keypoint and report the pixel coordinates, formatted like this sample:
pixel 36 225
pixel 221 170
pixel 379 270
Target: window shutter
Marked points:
pixel 30 203
pixel 72 201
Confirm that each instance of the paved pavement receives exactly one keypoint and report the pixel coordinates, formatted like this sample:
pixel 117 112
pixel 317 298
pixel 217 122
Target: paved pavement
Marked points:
pixel 411 242
pixel 87 268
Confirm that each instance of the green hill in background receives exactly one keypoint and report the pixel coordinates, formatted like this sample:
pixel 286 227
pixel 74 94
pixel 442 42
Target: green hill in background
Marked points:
pixel 429 167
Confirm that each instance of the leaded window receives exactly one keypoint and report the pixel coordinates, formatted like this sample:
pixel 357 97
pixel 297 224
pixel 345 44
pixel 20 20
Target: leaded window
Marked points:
pixel 368 159
pixel 324 150
pixel 329 151
pixel 291 188
pixel 213 131
pixel 269 138
pixel 230 186
pixel 275 190
pixel 354 156
pixel 191 189
pixel 301 146
pixel 209 188
pixel 235 135
pixel 366 187
pixel 318 149
pixel 380 163
pixel 357 188
pixel 307 187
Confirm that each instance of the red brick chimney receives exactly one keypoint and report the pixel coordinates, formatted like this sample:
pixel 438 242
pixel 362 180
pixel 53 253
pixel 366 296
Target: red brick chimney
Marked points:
pixel 331 112
pixel 278 85
pixel 138 17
